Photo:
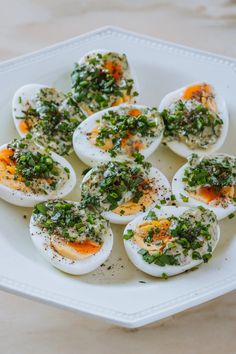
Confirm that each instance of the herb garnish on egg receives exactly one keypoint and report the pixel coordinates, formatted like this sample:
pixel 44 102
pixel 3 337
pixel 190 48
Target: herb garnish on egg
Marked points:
pixel 70 221
pixel 102 80
pixel 74 239
pixel 192 123
pixel 173 239
pixel 33 170
pixel 51 119
pixel 211 178
pixel 125 129
pixel 124 132
pixel 113 183
pixel 123 189
pixel 196 119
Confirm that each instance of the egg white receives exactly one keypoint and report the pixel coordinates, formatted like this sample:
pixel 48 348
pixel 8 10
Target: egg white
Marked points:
pixel 178 190
pixel 165 193
pixel 92 155
pixel 20 198
pixel 41 240
pixel 153 269
pixel 23 95
pixel 182 149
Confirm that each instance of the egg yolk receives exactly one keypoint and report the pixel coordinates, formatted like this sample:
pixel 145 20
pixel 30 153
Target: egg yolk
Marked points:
pixel 114 68
pixel 8 170
pixel 8 173
pixel 202 93
pixel 75 250
pixel 134 112
pixel 121 100
pixel 209 194
pixel 24 128
pixel 160 233
pixel 5 156
pixel 131 208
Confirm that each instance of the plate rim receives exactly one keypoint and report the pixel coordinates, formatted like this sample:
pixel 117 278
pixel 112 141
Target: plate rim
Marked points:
pixel 153 313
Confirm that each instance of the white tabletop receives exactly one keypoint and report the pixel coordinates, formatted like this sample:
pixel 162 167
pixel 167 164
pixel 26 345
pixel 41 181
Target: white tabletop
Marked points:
pixel 28 327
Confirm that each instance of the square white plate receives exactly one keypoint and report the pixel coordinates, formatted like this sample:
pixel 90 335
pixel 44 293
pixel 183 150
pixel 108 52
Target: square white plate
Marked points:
pixel 117 291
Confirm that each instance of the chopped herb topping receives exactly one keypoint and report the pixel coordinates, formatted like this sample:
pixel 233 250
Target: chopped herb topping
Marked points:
pixel 191 123
pixel 127 127
pixel 211 176
pixel 184 198
pixel 113 183
pixel 159 259
pixel 164 276
pixel 177 240
pixel 216 171
pixel 70 221
pixel 129 234
pixel 101 80
pixel 52 118
pixel 35 167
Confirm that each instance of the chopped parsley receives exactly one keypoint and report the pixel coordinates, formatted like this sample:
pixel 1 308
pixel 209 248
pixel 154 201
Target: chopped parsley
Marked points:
pixel 217 172
pixel 97 82
pixel 191 123
pixel 33 166
pixel 129 234
pixel 189 236
pixel 110 183
pixel 159 259
pixel 184 198
pixel 127 132
pixel 70 221
pixel 53 119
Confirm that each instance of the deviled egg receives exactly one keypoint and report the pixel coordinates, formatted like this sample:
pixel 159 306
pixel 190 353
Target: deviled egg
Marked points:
pixel 209 181
pixel 48 115
pixel 72 238
pixel 171 240
pixel 195 118
pixel 29 174
pixel 122 190
pixel 102 79
pixel 119 132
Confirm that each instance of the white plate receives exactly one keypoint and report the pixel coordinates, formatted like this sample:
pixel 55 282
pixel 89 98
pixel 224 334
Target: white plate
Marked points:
pixel 114 292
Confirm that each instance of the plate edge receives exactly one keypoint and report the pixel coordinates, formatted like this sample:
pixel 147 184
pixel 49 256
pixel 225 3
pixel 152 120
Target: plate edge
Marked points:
pixel 131 320
pixel 15 62
pixel 109 30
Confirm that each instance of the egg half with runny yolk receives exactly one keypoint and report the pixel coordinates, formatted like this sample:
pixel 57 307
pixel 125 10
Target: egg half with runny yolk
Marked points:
pixel 208 181
pixel 171 240
pixel 121 132
pixel 195 118
pixel 103 79
pixel 123 190
pixel 72 238
pixel 29 174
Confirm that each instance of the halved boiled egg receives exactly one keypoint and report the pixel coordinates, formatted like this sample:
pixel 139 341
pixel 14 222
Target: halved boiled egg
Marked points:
pixel 50 116
pixel 72 238
pixel 29 174
pixel 121 132
pixel 123 190
pixel 102 79
pixel 171 240
pixel 208 181
pixel 195 118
